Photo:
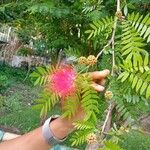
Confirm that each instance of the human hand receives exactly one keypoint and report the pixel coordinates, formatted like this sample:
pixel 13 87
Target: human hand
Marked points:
pixel 98 78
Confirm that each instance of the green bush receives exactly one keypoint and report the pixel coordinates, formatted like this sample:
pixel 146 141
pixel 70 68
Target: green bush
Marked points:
pixel 12 72
pixel 9 76
pixel 135 141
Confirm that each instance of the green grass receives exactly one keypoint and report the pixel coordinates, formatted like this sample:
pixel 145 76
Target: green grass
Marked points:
pixel 135 141
pixel 24 120
pixel 17 97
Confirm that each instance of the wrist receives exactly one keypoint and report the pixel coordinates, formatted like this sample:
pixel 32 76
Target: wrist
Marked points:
pixel 61 127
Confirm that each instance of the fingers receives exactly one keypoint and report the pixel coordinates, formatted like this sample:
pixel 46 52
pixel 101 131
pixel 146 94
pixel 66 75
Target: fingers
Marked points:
pixel 98 87
pixel 102 82
pixel 99 74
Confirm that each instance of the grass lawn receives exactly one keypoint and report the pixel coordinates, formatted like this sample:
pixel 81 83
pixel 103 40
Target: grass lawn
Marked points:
pixel 17 97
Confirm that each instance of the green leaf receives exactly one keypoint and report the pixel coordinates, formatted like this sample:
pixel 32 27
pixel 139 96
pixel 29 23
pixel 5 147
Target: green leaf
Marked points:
pixel 81 125
pixel 143 30
pixel 127 46
pixel 121 75
pixel 144 86
pixel 127 51
pixel 37 81
pixel 92 26
pixel 126 115
pixel 88 115
pixel 99 25
pixel 139 83
pixel 146 68
pixel 126 10
pixel 141 69
pixel 126 75
pixel 88 31
pixel 41 70
pixel 38 106
pixel 148 39
pixel 42 112
pixel 138 22
pixel 148 92
pixel 135 18
pixel 79 137
pixel 134 81
pixel 91 34
pixel 147 33
pixel 131 77
pixel 146 59
pixel 34 74
pixel 145 19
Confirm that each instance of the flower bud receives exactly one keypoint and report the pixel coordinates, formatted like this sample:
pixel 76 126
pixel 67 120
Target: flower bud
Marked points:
pixel 82 60
pixel 91 138
pixel 108 95
pixel 91 60
pixel 119 15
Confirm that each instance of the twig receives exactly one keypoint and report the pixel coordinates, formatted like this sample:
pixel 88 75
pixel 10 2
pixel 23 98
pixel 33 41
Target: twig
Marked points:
pixel 118 5
pixel 99 54
pixel 107 121
pixel 87 67
pixel 111 41
pixel 113 45
pixel 59 57
pixel 113 38
pixel 108 44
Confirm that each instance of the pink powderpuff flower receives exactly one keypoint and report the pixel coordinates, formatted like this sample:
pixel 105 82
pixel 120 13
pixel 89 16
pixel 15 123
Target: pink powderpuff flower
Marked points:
pixel 62 81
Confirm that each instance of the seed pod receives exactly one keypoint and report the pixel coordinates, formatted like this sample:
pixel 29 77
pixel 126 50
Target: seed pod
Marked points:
pixel 91 138
pixel 119 15
pixel 108 95
pixel 115 68
pixel 82 60
pixel 91 60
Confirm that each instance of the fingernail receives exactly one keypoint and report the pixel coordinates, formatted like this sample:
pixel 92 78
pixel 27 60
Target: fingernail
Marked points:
pixel 101 88
pixel 107 71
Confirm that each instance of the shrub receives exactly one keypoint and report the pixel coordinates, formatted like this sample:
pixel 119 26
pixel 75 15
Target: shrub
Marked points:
pixel 135 141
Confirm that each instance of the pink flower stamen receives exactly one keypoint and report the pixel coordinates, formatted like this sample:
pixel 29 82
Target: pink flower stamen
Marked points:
pixel 62 81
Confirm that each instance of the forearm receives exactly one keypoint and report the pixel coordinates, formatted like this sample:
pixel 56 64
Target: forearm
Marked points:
pixel 30 141
pixel 34 139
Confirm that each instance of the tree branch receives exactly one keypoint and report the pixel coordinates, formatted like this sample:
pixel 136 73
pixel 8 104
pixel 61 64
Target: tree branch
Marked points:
pixel 118 5
pixel 113 45
pixel 99 54
pixel 111 41
pixel 107 123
